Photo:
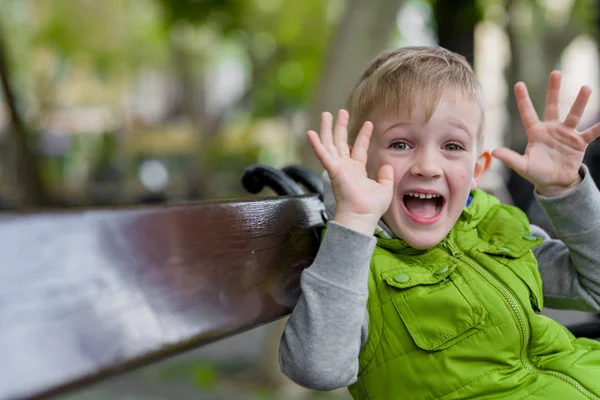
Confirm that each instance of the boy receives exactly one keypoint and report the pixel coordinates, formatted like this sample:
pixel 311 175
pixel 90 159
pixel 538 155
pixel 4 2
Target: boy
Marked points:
pixel 443 301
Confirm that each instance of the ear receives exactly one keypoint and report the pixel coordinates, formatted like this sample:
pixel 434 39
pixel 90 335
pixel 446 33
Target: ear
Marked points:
pixel 483 163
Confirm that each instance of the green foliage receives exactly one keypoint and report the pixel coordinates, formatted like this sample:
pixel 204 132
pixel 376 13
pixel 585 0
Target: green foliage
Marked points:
pixel 299 34
pixel 223 15
pixel 585 15
pixel 204 376
pixel 109 33
pixel 282 43
pixel 470 12
pixel 94 51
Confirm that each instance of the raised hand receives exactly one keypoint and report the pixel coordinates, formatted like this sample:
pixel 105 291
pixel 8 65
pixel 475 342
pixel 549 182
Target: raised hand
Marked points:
pixel 555 149
pixel 360 200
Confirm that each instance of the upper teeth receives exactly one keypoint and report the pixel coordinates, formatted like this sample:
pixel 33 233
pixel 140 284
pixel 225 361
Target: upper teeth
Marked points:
pixel 423 195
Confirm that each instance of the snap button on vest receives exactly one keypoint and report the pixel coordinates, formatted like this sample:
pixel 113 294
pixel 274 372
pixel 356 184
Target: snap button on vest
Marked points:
pixel 401 278
pixel 441 271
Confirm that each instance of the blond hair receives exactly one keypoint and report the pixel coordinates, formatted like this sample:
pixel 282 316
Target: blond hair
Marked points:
pixel 397 78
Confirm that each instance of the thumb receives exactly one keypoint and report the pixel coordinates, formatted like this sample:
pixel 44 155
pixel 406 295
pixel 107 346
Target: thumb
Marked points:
pixel 386 176
pixel 512 159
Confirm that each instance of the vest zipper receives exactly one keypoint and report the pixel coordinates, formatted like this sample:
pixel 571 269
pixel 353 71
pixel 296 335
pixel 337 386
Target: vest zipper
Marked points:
pixel 518 312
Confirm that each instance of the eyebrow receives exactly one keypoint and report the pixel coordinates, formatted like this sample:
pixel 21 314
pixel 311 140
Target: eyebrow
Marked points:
pixel 451 121
pixel 458 124
pixel 399 124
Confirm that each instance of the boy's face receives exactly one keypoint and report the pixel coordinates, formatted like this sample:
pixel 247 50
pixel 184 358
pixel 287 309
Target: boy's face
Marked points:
pixel 435 162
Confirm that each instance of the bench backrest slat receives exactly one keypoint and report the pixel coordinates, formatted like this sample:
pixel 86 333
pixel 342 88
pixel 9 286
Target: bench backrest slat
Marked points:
pixel 91 293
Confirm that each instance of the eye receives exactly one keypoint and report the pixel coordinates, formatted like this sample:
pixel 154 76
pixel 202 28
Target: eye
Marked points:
pixel 400 145
pixel 453 146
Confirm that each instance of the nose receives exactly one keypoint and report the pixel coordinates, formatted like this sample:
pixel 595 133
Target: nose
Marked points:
pixel 426 164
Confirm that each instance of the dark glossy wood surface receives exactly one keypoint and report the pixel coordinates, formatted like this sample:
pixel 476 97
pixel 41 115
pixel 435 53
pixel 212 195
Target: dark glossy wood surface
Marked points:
pixel 88 294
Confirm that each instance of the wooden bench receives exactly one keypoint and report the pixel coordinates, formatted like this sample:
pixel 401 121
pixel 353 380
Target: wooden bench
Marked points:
pixel 91 293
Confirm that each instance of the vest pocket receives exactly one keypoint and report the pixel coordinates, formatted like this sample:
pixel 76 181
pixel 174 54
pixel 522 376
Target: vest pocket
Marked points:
pixel 436 304
pixel 517 256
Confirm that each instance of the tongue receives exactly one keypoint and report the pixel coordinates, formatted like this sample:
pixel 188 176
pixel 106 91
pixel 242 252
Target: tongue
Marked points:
pixel 423 208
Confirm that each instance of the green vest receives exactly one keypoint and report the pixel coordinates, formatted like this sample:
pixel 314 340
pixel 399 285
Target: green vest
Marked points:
pixel 462 320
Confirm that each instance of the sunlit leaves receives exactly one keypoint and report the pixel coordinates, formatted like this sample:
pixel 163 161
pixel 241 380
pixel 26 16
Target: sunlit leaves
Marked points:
pixel 109 32
pixel 223 15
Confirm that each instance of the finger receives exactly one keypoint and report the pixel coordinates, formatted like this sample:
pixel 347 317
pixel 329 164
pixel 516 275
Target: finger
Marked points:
pixel 552 112
pixel 326 133
pixel 512 159
pixel 320 150
pixel 386 176
pixel 578 107
pixel 591 133
pixel 526 109
pixel 340 133
pixel 361 144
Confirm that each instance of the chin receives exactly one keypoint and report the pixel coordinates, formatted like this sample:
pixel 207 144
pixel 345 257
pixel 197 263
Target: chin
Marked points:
pixel 423 239
pixel 423 244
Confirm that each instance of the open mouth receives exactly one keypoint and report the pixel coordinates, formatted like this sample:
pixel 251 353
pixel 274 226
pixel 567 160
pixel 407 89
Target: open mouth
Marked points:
pixel 423 206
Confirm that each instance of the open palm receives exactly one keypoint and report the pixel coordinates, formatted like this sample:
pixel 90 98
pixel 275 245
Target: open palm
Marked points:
pixel 555 149
pixel 354 191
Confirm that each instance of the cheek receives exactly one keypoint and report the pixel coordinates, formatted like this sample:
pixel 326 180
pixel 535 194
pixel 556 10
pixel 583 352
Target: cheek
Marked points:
pixel 462 174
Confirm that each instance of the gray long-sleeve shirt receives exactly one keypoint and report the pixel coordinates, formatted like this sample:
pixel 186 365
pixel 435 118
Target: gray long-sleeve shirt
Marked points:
pixel 323 337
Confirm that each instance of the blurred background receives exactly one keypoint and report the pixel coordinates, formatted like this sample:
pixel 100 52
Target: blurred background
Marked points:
pixel 155 101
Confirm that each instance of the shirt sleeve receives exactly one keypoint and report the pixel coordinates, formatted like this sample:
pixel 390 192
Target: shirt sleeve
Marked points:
pixel 322 339
pixel 570 265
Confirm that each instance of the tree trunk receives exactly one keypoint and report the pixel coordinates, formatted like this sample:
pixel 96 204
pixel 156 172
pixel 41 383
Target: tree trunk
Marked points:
pixel 456 21
pixel 536 50
pixel 28 171
pixel 515 135
pixel 365 29
pixel 208 126
pixel 191 103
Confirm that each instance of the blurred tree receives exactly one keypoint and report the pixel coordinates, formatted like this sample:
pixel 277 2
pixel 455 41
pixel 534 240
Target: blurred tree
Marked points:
pixel 538 34
pixel 51 44
pixel 592 157
pixel 455 24
pixel 223 15
pixel 364 29
pixel 281 44
pixel 28 173
pixel 191 49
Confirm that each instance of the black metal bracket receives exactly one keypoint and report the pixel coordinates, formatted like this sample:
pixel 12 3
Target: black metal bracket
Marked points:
pixel 257 177
pixel 285 182
pixel 311 181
